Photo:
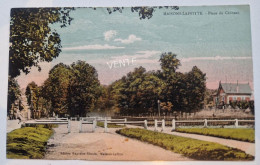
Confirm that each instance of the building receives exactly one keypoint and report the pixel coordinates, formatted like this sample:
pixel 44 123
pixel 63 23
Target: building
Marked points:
pixel 231 92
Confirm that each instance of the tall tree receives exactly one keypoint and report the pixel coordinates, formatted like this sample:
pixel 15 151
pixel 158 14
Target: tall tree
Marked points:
pixel 55 88
pixel 32 40
pixel 84 88
pixel 33 94
pixel 196 88
pixel 169 64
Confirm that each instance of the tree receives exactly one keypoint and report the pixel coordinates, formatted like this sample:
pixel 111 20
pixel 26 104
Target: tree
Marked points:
pixel 14 94
pixel 84 88
pixel 169 63
pixel 196 87
pixel 55 88
pixel 32 93
pixel 32 40
pixel 138 92
pixel 144 12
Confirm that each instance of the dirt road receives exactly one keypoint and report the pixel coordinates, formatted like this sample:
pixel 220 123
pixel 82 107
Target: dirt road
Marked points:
pixel 102 146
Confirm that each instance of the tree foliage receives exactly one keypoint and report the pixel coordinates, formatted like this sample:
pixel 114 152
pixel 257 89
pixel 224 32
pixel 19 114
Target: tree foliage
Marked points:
pixel 32 40
pixel 84 88
pixel 14 94
pixel 139 91
pixel 55 88
pixel 72 89
pixel 144 12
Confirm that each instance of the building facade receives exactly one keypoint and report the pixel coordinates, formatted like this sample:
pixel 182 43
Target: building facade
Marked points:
pixel 228 92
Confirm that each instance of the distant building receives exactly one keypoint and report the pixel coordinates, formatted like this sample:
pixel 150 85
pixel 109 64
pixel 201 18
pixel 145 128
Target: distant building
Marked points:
pixel 231 92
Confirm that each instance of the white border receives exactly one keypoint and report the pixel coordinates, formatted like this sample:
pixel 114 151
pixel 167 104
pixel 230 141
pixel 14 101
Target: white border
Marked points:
pixel 6 5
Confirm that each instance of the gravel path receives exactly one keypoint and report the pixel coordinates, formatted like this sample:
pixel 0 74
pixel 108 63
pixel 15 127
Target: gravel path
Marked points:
pixel 102 146
pixel 12 125
pixel 249 148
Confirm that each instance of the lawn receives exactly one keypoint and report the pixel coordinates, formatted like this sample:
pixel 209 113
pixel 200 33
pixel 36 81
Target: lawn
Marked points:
pixel 192 148
pixel 28 142
pixel 101 124
pixel 243 134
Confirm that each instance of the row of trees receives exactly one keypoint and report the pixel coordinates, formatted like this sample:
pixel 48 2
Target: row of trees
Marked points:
pixel 75 90
pixel 141 91
pixel 70 89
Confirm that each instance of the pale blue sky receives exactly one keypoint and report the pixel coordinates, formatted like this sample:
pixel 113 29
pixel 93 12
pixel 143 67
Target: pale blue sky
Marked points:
pixel 220 45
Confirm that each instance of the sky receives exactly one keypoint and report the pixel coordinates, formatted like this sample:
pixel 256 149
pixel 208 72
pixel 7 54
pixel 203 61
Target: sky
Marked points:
pixel 219 44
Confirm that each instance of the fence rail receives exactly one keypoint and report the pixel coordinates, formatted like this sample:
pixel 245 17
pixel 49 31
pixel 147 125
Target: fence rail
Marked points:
pixel 46 122
pixel 205 122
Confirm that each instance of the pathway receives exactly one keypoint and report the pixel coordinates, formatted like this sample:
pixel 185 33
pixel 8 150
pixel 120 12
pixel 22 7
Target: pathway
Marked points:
pixel 249 148
pixel 12 125
pixel 102 146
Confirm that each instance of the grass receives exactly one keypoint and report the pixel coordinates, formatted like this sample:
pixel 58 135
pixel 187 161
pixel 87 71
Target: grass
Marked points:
pixel 242 134
pixel 101 124
pixel 28 142
pixel 192 148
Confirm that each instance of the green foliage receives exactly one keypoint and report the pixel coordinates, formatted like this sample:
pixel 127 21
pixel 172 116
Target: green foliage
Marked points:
pixel 32 94
pixel 252 106
pixel 243 104
pixel 27 143
pixel 228 133
pixel 55 88
pixel 185 91
pixel 169 63
pixel 196 88
pixel 84 88
pixel 32 40
pixel 101 124
pixel 144 12
pixel 14 94
pixel 137 92
pixel 72 89
pixel 195 149
pixel 233 104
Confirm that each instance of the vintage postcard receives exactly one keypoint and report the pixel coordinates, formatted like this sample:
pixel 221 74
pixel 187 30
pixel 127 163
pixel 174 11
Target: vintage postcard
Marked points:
pixel 169 83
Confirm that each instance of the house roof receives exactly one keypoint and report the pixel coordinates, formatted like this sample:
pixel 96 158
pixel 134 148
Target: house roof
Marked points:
pixel 236 88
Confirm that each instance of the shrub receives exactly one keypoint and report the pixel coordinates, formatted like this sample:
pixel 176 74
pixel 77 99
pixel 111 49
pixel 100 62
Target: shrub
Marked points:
pixel 242 134
pixel 195 149
pixel 27 142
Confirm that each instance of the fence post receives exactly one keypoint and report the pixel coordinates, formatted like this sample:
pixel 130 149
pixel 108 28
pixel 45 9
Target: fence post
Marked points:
pixel 93 125
pixel 205 123
pixel 236 123
pixel 125 121
pixel 155 125
pixel 145 124
pixel 163 125
pixel 69 126
pixel 80 126
pixel 105 125
pixel 173 124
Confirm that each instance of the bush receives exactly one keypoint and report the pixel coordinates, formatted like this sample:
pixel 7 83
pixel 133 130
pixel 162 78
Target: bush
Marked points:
pixel 101 124
pixel 242 134
pixel 27 142
pixel 195 149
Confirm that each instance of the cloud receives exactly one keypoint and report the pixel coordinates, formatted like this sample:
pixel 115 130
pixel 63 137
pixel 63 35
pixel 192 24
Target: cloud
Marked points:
pixel 131 39
pixel 93 47
pixel 216 58
pixel 138 55
pixel 110 34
